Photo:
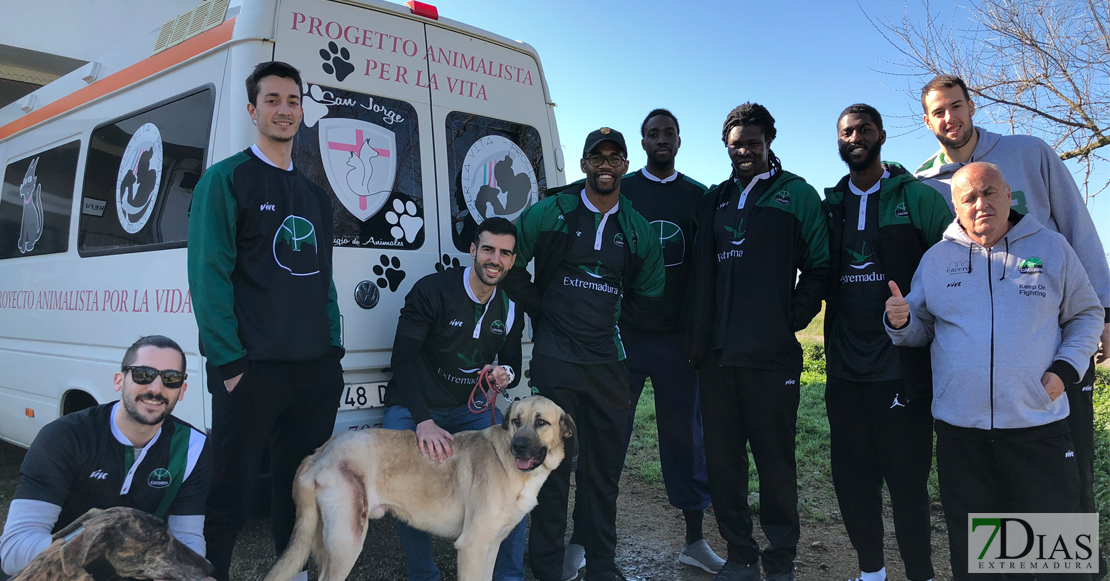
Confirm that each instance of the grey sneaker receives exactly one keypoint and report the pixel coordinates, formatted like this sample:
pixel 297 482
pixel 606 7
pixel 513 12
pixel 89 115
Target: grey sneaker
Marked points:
pixel 781 576
pixel 573 560
pixel 736 571
pixel 698 554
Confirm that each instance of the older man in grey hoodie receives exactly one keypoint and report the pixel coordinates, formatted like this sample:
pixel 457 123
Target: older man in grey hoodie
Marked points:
pixel 1010 317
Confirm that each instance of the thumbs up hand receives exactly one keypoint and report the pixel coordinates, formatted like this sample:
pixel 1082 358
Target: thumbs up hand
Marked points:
pixel 897 310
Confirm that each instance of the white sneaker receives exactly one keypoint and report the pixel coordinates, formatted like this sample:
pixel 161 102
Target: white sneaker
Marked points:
pixel 573 560
pixel 698 554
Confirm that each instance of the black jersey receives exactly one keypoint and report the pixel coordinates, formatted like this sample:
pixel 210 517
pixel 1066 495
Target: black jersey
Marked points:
pixel 582 303
pixel 860 350
pixel 671 207
pixel 459 336
pixel 81 461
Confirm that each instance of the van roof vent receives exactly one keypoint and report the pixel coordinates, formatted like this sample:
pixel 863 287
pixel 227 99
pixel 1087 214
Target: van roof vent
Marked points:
pixel 209 14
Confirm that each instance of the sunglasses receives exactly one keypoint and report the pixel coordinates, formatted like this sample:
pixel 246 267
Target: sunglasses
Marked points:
pixel 144 375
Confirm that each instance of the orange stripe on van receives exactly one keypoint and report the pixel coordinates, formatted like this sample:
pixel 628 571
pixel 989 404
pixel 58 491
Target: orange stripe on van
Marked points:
pixel 128 76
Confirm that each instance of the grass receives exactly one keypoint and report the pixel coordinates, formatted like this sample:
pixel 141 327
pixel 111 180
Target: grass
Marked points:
pixel 816 497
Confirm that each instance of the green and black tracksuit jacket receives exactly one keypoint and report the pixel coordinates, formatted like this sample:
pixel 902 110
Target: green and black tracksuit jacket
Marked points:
pixel 543 234
pixel 260 265
pixel 784 230
pixel 911 218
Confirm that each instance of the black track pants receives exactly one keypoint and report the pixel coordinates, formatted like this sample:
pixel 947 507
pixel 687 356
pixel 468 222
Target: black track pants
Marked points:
pixel 1081 422
pixel 287 407
pixel 877 437
pixel 1003 475
pixel 596 397
pixel 742 406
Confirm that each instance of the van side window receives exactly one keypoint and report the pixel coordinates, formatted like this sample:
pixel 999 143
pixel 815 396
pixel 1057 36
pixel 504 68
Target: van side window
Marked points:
pixel 496 169
pixel 364 150
pixel 36 202
pixel 140 174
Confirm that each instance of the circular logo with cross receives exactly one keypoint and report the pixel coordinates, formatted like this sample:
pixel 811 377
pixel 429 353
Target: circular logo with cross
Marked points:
pixel 159 478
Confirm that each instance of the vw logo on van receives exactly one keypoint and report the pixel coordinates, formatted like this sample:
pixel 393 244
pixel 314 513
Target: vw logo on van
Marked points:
pixel 140 174
pixel 497 179
pixel 367 295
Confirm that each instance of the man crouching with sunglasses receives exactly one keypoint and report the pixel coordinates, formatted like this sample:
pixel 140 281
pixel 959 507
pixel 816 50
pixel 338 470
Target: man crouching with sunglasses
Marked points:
pixel 131 453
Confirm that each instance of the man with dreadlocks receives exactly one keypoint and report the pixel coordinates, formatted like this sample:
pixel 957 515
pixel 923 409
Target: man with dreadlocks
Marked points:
pixel 881 222
pixel 756 230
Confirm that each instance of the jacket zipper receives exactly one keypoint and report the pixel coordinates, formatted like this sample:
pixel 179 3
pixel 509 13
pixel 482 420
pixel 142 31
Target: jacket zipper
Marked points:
pixel 990 286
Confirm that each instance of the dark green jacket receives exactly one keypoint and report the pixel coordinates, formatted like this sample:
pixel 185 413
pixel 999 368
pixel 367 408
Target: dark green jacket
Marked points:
pixel 543 235
pixel 787 232
pixel 260 265
pixel 912 217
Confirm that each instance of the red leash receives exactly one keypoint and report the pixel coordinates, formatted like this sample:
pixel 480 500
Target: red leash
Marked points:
pixel 487 387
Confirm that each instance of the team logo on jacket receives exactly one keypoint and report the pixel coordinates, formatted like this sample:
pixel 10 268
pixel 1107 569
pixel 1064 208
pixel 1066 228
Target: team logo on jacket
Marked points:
pixel 497 327
pixel 672 241
pixel 159 478
pixel 958 267
pixel 618 240
pixel 783 198
pixel 140 173
pixel 360 161
pixel 738 233
pixel 901 210
pixel 1031 265
pixel 860 259
pixel 470 363
pixel 295 246
pixel 497 179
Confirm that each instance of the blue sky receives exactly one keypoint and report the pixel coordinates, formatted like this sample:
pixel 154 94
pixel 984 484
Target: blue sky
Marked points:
pixel 609 63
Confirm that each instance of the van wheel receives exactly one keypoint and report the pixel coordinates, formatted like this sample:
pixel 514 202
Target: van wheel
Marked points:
pixel 76 401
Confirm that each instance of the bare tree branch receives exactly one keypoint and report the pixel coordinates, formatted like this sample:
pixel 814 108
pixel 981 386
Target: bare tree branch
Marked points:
pixel 1041 67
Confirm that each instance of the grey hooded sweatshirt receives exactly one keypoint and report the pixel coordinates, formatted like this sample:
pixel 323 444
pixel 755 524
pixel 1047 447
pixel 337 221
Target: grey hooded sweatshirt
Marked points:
pixel 998 318
pixel 1042 187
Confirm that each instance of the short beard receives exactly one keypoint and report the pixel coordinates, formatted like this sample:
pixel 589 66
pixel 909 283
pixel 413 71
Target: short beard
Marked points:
pixel 873 154
pixel 952 144
pixel 129 405
pixel 592 180
pixel 480 271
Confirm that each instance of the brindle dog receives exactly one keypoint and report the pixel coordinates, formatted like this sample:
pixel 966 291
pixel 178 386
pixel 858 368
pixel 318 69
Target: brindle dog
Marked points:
pixel 137 544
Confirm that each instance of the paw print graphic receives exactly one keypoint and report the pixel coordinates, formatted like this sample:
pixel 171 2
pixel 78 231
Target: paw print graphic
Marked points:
pixel 406 224
pixel 337 61
pixel 447 261
pixel 389 273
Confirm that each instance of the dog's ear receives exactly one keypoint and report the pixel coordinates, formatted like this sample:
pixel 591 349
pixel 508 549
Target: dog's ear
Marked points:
pixel 508 414
pixel 84 547
pixel 80 522
pixel 569 431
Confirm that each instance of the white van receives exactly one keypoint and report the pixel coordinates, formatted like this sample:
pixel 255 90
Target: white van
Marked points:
pixel 419 127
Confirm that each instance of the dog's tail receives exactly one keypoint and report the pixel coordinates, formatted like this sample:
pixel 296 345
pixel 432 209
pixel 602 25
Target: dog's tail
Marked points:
pixel 300 546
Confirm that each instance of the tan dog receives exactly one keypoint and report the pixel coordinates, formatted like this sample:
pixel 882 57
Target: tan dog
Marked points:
pixel 476 496
pixel 137 545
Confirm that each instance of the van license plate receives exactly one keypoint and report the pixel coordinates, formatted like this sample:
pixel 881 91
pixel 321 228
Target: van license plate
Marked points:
pixel 362 395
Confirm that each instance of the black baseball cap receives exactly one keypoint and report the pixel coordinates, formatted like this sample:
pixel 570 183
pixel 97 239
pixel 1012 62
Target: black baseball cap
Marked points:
pixel 595 138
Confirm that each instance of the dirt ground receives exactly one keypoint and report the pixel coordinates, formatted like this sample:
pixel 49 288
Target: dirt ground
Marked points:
pixel 650 539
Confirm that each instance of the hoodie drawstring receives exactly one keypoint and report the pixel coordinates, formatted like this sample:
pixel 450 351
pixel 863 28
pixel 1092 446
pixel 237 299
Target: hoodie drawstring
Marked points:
pixel 1005 258
pixel 969 246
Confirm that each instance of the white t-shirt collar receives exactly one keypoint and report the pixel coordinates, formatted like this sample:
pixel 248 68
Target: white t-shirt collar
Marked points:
pixel 744 195
pixel 263 157
pixel 604 217
pixel 861 223
pixel 665 180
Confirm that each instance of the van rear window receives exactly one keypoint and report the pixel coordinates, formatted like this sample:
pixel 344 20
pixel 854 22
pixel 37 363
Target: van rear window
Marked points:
pixel 140 174
pixel 496 169
pixel 36 202
pixel 364 150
